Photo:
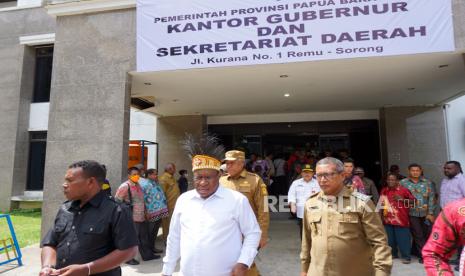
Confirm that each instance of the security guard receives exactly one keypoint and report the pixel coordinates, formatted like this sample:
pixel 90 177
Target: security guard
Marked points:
pixel 342 232
pixel 171 189
pixel 92 233
pixel 253 187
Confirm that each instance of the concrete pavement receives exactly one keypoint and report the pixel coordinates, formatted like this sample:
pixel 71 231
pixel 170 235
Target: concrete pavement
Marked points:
pixel 280 257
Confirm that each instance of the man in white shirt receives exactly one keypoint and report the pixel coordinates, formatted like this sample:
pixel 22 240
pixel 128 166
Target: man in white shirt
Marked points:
pixel 301 190
pixel 213 229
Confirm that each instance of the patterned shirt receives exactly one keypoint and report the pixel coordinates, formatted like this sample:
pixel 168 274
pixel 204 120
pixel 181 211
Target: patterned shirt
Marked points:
pixel 423 192
pixel 155 201
pixel 452 189
pixel 395 204
pixel 137 195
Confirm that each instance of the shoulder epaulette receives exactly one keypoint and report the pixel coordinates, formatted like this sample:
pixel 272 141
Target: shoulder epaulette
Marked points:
pixel 314 195
pixel 361 196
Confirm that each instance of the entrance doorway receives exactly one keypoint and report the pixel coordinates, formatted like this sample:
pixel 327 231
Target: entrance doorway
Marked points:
pixel 359 137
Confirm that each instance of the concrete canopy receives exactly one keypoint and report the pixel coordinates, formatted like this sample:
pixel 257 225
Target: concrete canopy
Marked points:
pixel 334 85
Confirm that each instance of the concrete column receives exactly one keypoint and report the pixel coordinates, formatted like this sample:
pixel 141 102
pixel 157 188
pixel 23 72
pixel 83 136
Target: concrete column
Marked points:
pixel 89 105
pixel 16 79
pixel 458 10
pixel 416 135
pixel 9 114
pixel 172 130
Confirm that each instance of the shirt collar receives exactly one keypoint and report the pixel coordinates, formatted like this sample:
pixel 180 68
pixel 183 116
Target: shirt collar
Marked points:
pixel 345 192
pixel 243 174
pixel 95 202
pixel 220 192
pixel 303 181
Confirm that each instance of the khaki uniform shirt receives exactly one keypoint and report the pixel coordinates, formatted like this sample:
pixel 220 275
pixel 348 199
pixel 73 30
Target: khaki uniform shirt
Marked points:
pixel 344 236
pixel 253 187
pixel 171 189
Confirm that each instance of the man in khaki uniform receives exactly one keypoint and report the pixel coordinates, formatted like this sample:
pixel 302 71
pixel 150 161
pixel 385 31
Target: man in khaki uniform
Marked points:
pixel 342 232
pixel 253 187
pixel 170 188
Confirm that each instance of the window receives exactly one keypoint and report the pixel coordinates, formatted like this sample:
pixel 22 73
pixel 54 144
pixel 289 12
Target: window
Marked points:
pixel 36 164
pixel 7 3
pixel 43 74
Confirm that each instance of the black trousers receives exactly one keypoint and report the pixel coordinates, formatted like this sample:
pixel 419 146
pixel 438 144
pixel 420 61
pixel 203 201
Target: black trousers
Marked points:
pixel 144 244
pixel 299 223
pixel 420 232
pixel 280 184
pixel 153 232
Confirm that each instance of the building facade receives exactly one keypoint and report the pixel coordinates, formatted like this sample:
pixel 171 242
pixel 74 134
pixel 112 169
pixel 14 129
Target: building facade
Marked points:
pixel 69 79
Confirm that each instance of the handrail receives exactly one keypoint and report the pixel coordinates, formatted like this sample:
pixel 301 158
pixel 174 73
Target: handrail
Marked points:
pixel 13 243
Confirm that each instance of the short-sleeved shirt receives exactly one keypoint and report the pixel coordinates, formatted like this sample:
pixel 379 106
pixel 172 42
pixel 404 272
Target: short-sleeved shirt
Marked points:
pixel 82 235
pixel 300 191
pixel 137 197
pixel 423 191
pixel 396 211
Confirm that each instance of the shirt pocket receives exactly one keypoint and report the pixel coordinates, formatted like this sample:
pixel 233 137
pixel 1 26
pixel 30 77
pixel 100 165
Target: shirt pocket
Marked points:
pixel 93 229
pixel 349 225
pixel 314 222
pixel 245 190
pixel 59 229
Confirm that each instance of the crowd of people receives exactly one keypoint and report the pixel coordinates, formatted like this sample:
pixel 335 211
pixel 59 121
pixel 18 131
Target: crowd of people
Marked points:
pixel 218 227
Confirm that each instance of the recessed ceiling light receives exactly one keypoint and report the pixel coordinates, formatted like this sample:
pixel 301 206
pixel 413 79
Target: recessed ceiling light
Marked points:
pixel 411 88
pixel 283 76
pixel 147 83
pixel 443 65
pixel 287 95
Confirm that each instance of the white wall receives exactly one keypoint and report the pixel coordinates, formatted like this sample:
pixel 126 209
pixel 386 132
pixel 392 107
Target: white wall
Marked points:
pixel 38 117
pixel 27 3
pixel 455 114
pixel 143 126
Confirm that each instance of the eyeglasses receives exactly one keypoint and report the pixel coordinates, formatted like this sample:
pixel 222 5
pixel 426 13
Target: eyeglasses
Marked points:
pixel 320 176
pixel 207 178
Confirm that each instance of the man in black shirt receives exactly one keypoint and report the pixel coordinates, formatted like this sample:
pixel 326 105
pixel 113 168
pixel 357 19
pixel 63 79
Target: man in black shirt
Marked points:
pixel 182 181
pixel 92 233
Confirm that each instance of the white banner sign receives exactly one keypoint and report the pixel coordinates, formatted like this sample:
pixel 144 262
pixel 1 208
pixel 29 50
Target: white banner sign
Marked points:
pixel 184 34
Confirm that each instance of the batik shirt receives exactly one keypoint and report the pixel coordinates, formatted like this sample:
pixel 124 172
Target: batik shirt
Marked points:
pixel 155 201
pixel 423 192
pixel 395 204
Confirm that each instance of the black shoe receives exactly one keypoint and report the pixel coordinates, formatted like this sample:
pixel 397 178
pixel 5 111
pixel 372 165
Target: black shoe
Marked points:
pixel 157 251
pixel 133 262
pixel 420 260
pixel 153 257
pixel 406 261
pixel 457 268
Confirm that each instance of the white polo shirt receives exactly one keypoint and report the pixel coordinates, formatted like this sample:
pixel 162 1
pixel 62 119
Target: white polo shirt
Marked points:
pixel 300 191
